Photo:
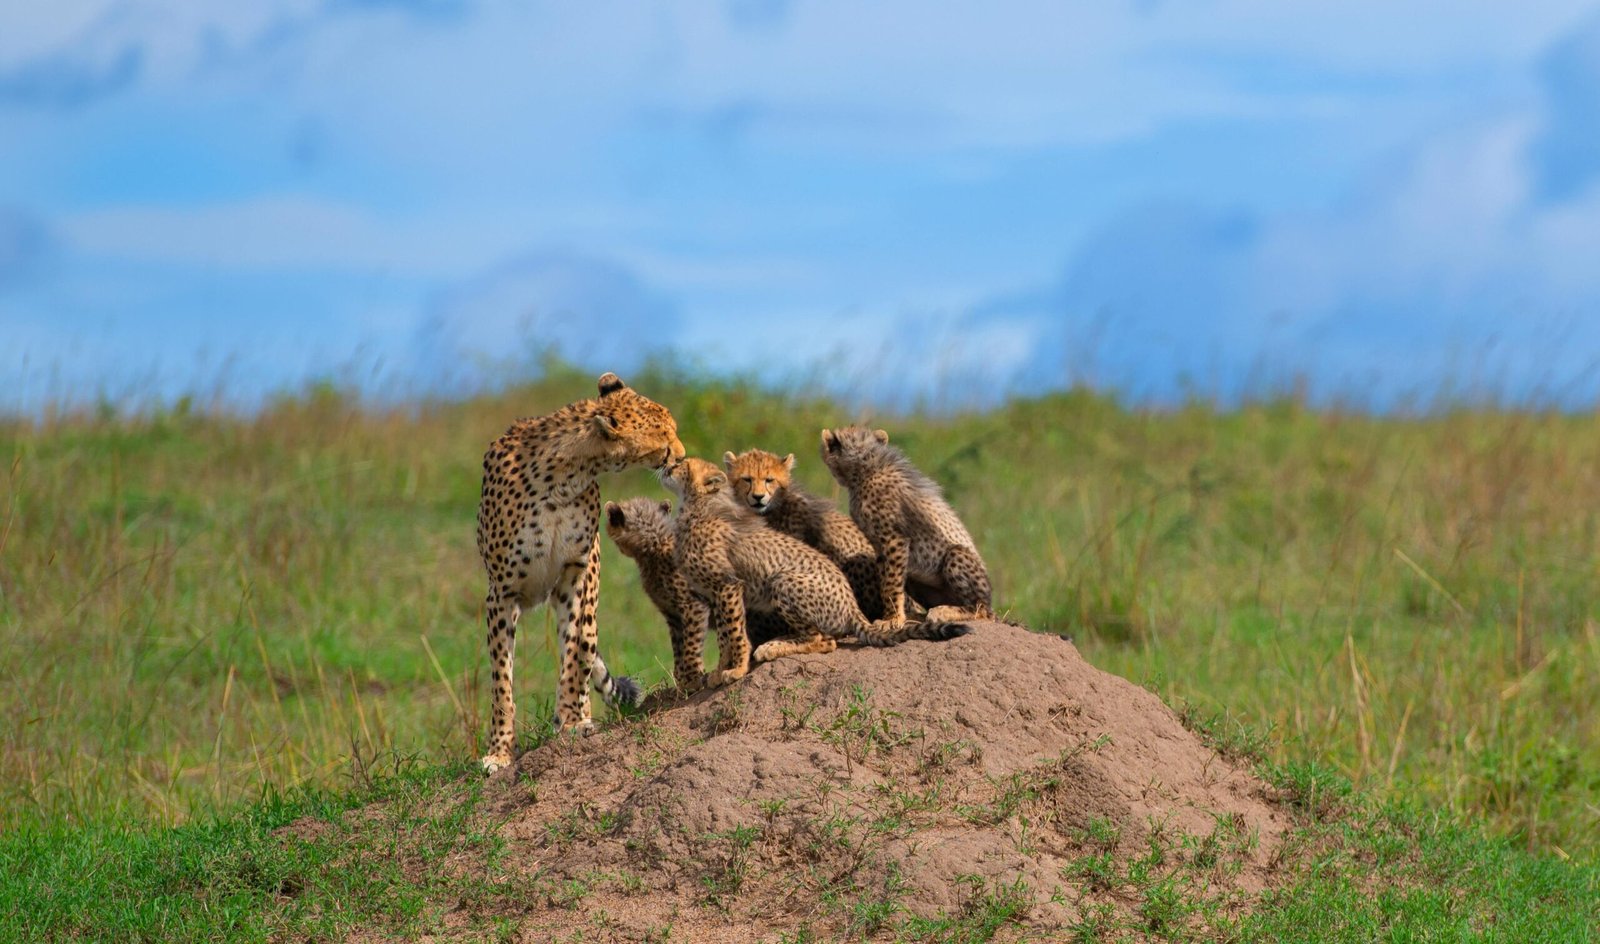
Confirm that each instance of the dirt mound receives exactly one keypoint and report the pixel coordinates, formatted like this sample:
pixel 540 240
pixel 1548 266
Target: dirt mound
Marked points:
pixel 926 791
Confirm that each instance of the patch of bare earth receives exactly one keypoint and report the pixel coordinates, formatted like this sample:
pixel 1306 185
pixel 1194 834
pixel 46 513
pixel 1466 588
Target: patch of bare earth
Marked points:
pixel 993 781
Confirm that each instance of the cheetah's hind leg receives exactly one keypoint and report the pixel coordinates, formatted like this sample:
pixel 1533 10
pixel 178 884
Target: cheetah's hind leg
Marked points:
pixel 967 581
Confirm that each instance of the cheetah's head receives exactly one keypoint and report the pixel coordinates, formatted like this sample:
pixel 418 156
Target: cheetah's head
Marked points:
pixel 631 429
pixel 640 526
pixel 692 479
pixel 850 449
pixel 759 478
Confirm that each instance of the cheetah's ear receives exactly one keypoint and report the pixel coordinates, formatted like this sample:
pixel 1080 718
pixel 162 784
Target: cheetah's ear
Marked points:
pixel 605 425
pixel 727 460
pixel 715 481
pixel 614 516
pixel 788 462
pixel 881 436
pixel 610 383
pixel 830 442
pixel 666 507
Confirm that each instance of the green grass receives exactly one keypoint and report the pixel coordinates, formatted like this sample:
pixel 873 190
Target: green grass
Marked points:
pixel 218 879
pixel 198 606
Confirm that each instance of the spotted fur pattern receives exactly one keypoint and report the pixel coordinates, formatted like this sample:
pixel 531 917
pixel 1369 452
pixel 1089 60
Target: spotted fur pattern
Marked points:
pixel 539 537
pixel 645 531
pixel 923 549
pixel 765 482
pixel 730 557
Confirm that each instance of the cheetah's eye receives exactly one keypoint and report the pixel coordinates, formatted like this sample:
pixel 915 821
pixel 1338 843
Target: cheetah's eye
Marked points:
pixel 769 481
pixel 748 480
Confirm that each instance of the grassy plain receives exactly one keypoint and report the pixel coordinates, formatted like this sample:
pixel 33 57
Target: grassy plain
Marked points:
pixel 195 607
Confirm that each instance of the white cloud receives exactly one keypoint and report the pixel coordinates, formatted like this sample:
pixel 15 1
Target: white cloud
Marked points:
pixel 1445 269
pixel 285 232
pixel 600 127
pixel 587 310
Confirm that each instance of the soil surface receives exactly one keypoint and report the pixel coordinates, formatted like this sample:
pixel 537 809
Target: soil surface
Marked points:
pixel 917 792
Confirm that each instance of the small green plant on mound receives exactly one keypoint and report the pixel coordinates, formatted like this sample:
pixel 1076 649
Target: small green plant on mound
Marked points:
pixel 862 729
pixel 989 907
pixel 729 876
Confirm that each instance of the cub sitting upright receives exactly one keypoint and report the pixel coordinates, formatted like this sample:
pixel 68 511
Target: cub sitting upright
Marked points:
pixel 923 549
pixel 539 537
pixel 762 481
pixel 643 529
pixel 735 561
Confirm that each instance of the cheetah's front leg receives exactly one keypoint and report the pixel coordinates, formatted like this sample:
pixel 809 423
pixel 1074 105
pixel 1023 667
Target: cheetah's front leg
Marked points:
pixel 575 599
pixel 688 642
pixel 501 612
pixel 733 640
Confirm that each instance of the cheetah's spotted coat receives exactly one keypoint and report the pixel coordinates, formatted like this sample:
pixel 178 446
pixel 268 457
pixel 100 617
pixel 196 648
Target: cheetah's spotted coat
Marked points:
pixel 764 482
pixel 923 548
pixel 538 535
pixel 733 560
pixel 644 530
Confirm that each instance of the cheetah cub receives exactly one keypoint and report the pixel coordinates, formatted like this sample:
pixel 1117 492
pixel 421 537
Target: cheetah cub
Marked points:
pixel 644 530
pixel 729 556
pixel 923 549
pixel 763 481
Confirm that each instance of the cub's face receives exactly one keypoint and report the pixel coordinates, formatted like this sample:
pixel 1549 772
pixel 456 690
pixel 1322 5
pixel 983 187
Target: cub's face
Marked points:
pixel 693 479
pixel 758 477
pixel 633 430
pixel 640 526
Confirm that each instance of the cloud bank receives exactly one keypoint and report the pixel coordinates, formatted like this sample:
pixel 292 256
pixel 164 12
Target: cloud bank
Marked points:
pixel 897 205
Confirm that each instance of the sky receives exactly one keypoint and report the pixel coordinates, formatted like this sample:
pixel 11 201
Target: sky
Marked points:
pixel 1381 204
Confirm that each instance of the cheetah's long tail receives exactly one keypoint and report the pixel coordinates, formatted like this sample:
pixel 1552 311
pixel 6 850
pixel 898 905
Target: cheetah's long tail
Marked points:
pixel 887 633
pixel 615 689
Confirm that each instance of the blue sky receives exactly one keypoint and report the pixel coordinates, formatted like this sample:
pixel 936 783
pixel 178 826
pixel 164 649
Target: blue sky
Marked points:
pixel 900 200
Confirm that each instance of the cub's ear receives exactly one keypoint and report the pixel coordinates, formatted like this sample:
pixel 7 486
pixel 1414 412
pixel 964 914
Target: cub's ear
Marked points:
pixel 614 516
pixel 666 507
pixel 830 442
pixel 610 383
pixel 727 460
pixel 881 436
pixel 605 425
pixel 788 462
pixel 715 481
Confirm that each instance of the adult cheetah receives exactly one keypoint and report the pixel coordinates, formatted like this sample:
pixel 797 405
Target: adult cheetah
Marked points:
pixel 644 530
pixel 730 557
pixel 923 548
pixel 539 537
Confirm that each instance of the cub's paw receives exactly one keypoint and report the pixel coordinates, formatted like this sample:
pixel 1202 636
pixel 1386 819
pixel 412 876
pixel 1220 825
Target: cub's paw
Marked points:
pixel 722 677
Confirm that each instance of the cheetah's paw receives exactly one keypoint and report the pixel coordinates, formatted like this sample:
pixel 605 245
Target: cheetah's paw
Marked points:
pixel 722 677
